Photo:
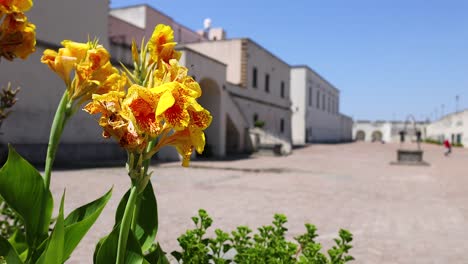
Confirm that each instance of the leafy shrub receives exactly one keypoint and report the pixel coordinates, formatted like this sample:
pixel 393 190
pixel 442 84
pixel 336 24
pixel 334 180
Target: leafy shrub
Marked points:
pixel 437 142
pixel 268 246
pixel 259 124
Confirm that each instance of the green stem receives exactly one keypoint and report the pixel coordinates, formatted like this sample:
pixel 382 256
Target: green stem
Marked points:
pixel 147 162
pixel 125 226
pixel 56 130
pixel 136 211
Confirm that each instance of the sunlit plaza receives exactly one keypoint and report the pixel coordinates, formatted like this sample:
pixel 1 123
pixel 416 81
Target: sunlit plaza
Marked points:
pixel 397 214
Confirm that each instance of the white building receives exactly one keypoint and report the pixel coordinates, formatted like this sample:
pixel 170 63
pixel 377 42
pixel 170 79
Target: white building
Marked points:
pixel 246 87
pixel 257 82
pixel 28 126
pixel 138 21
pixel 453 127
pixel 387 131
pixel 316 115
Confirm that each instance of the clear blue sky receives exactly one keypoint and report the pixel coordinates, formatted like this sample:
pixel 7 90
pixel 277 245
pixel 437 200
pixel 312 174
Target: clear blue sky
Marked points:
pixel 389 58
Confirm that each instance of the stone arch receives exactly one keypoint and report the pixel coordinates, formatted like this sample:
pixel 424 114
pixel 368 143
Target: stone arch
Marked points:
pixel 361 135
pixel 211 100
pixel 377 136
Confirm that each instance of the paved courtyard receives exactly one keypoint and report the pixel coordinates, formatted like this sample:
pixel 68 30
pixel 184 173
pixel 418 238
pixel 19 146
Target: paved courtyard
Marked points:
pixel 398 214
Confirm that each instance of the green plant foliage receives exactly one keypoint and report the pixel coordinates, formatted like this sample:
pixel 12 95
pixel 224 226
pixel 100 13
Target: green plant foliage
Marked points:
pixel 139 245
pixel 437 142
pixel 53 253
pixel 156 255
pixel 78 222
pixel 107 250
pixel 18 242
pixel 259 124
pixel 10 222
pixel 8 253
pixel 23 189
pixel 267 246
pixel 146 226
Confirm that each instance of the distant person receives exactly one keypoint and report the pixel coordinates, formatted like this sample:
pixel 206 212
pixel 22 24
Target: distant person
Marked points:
pixel 448 146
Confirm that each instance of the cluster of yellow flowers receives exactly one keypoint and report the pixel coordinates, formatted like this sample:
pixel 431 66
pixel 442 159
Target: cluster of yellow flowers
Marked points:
pixel 17 35
pixel 89 65
pixel 156 101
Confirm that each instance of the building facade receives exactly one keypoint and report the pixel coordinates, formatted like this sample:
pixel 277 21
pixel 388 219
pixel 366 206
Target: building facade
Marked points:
pixel 388 131
pixel 258 85
pixel 245 87
pixel 138 21
pixel 453 127
pixel 28 126
pixel 316 115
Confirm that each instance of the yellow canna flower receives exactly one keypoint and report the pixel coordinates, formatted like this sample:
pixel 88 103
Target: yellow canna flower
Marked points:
pixel 140 104
pixel 94 74
pixel 62 65
pixel 111 82
pixel 161 102
pixel 173 103
pixel 135 56
pixel 14 6
pixel 74 49
pixel 161 44
pixel 113 123
pixel 182 142
pixel 17 37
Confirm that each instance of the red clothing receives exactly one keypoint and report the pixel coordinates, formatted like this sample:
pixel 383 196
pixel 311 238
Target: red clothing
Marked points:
pixel 447 144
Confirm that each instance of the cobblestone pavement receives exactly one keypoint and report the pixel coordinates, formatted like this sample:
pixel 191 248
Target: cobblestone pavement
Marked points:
pixel 398 214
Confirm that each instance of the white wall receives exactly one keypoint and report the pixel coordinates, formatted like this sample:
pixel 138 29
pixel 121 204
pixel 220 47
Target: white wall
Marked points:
pixel 299 98
pixel 28 126
pixel 135 15
pixel 370 127
pixel 228 52
pixel 452 124
pixel 316 121
pixel 241 56
pixel 270 106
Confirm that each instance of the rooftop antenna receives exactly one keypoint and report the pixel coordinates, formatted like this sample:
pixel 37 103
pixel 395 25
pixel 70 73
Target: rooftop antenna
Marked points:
pixel 206 27
pixel 207 24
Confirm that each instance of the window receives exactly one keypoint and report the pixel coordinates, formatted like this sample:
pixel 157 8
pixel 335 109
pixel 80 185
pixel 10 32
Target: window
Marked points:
pixel 282 89
pixel 267 83
pixel 282 125
pixel 318 99
pixel 310 96
pixel 255 117
pixel 333 106
pixel 337 105
pixel 329 105
pixel 323 102
pixel 254 77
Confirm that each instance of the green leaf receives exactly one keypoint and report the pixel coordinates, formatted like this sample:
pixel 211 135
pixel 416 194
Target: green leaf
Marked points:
pixel 157 256
pixel 7 252
pixel 147 216
pixel 18 241
pixel 98 247
pixel 22 187
pixel 107 252
pixel 78 222
pixel 55 246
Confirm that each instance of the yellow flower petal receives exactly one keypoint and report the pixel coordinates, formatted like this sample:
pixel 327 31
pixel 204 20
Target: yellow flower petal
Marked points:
pixel 165 102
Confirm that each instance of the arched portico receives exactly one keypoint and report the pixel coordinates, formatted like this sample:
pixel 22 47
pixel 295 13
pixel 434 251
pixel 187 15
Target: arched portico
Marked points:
pixel 360 135
pixel 377 136
pixel 211 100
